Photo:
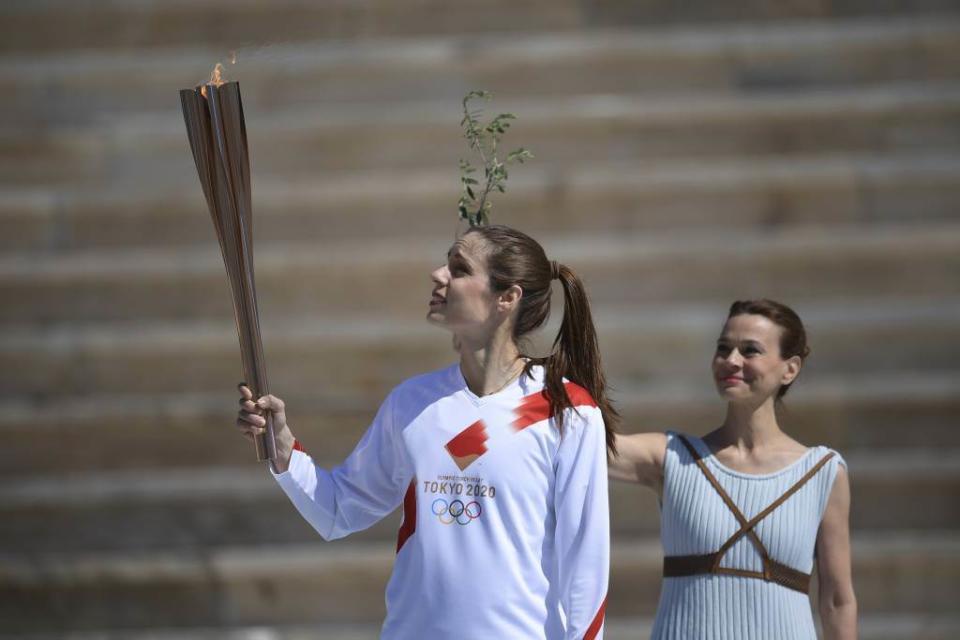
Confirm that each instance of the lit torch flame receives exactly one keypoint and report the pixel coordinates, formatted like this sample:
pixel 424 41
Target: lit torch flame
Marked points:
pixel 216 79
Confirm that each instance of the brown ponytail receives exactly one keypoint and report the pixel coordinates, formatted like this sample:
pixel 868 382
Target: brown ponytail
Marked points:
pixel 514 258
pixel 576 356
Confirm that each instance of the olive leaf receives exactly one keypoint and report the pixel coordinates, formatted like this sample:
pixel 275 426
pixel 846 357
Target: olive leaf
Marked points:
pixel 484 141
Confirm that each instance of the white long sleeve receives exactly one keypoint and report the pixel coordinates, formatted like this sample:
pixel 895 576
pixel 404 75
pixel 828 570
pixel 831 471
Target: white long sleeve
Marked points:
pixel 583 523
pixel 367 486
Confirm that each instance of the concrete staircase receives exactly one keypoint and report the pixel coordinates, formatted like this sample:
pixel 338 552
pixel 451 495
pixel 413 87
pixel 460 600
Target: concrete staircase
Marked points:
pixel 687 155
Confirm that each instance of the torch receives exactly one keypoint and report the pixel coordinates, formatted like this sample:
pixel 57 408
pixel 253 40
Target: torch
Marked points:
pixel 213 114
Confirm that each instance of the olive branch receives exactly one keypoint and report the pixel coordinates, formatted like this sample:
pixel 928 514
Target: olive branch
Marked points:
pixel 474 204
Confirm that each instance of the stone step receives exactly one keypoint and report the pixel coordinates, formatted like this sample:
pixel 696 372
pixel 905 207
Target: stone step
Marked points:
pixel 875 626
pixel 872 627
pixel 86 85
pixel 274 631
pixel 371 355
pixel 302 584
pixel 392 279
pixel 761 193
pixel 207 508
pixel 60 25
pixel 76 434
pixel 578 130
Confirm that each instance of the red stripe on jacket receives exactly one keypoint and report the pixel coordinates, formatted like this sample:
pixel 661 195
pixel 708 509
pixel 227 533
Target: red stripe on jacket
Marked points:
pixel 536 407
pixel 597 623
pixel 409 524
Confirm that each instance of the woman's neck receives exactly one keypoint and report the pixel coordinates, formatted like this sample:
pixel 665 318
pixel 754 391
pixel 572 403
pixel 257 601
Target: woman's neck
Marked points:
pixel 490 364
pixel 748 427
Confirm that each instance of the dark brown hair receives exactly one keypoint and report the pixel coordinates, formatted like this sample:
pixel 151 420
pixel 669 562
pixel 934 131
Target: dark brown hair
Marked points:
pixel 793 337
pixel 514 258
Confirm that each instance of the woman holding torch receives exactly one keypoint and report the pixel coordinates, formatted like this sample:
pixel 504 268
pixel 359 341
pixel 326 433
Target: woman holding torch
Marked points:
pixel 500 460
pixel 747 509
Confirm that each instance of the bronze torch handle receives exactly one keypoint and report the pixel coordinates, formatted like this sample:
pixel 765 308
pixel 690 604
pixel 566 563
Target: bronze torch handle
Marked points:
pixel 260 442
pixel 266 443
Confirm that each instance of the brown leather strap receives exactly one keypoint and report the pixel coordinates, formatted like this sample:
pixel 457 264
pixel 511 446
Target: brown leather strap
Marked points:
pixel 773 571
pixel 789 577
pixel 748 527
pixel 680 566
pixel 731 505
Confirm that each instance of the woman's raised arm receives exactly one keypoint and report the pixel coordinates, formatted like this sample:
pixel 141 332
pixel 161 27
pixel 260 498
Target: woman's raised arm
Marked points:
pixel 639 459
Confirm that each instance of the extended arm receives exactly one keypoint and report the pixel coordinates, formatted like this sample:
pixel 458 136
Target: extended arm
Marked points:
pixel 639 459
pixel 367 486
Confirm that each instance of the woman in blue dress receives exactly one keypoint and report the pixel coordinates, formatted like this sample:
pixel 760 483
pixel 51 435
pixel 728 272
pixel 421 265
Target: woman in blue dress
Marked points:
pixel 747 510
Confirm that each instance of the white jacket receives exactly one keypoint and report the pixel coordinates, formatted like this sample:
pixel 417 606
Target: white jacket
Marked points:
pixel 505 531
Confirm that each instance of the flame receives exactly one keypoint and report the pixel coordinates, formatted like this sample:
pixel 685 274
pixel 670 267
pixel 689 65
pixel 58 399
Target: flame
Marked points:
pixel 216 76
pixel 216 79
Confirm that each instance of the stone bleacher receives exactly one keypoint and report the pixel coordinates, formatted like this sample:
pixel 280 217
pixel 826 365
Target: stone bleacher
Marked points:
pixel 688 154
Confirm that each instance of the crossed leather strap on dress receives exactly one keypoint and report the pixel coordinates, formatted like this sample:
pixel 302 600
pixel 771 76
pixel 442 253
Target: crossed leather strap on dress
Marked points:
pixel 773 571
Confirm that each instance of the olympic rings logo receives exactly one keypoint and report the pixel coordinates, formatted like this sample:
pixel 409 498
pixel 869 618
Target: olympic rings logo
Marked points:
pixel 456 511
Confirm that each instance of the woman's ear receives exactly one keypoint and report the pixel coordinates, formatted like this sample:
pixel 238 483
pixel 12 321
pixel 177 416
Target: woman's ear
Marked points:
pixel 509 299
pixel 793 370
